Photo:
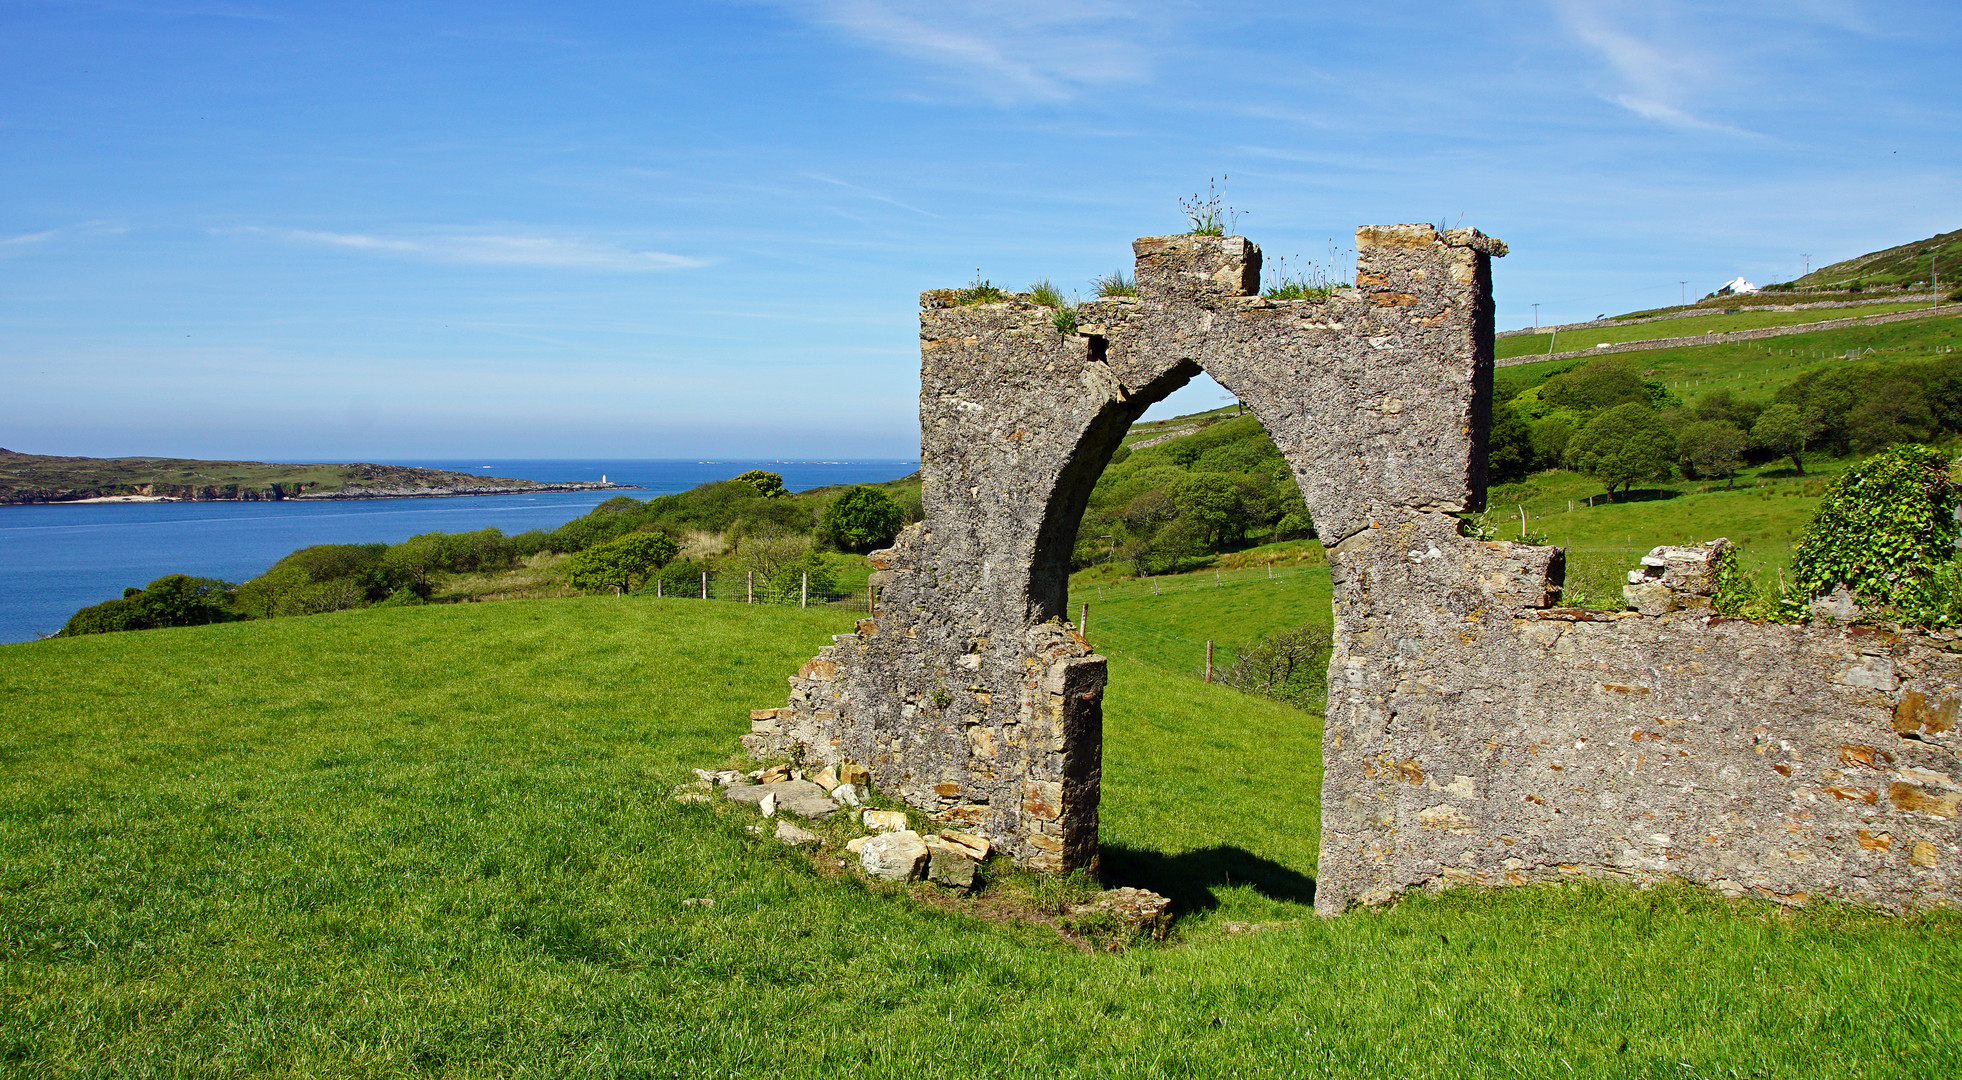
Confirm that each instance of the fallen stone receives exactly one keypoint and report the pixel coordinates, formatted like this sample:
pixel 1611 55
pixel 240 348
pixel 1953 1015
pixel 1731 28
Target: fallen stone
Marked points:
pixel 884 820
pixel 1139 910
pixel 976 847
pixel 775 774
pixel 895 856
pixel 785 791
pixel 809 806
pixel 768 804
pixel 846 794
pixel 730 776
pixel 827 778
pixel 849 773
pixel 794 836
pixel 948 865
pixel 855 843
pixel 705 775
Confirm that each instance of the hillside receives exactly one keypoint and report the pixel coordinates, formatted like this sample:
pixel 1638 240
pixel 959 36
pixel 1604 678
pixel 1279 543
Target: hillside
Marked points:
pixel 39 478
pixel 1905 265
pixel 220 861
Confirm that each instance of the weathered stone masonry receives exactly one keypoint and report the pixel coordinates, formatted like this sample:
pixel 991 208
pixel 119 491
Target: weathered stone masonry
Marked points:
pixel 1474 733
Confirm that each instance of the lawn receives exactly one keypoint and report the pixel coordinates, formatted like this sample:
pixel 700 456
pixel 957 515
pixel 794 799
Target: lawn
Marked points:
pixel 438 842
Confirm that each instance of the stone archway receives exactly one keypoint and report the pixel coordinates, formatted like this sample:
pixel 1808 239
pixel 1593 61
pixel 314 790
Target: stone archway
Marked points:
pixel 968 693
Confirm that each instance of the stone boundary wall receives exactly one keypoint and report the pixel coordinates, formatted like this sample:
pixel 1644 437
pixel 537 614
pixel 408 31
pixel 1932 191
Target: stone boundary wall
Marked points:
pixel 1904 298
pixel 1735 335
pixel 1475 732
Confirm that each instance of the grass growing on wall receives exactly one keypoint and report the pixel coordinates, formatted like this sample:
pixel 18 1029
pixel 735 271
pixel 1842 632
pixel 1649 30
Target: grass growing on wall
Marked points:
pixel 438 842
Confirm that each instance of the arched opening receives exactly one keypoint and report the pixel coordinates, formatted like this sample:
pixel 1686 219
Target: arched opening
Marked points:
pixel 1170 741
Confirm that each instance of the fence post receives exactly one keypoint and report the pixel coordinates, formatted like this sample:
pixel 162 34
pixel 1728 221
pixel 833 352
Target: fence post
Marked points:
pixel 705 584
pixel 868 599
pixel 1215 577
pixel 657 588
pixel 1209 659
pixel 804 594
pixel 752 588
pixel 1083 622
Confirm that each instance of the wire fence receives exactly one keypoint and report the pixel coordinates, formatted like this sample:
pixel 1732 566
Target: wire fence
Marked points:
pixel 839 592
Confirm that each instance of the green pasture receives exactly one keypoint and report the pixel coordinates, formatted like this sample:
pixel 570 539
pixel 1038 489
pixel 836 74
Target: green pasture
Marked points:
pixel 438 842
pixel 1715 323
pixel 1756 369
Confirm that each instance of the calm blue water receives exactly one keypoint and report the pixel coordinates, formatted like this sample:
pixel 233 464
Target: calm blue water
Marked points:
pixel 55 559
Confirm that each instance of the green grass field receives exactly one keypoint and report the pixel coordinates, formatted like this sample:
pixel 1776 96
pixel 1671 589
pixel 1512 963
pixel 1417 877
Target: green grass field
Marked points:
pixel 1717 323
pixel 438 842
pixel 1755 369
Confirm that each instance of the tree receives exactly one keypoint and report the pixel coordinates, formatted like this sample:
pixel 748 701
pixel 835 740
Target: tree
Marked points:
pixel 1712 448
pixel 620 563
pixel 1509 447
pixel 1893 412
pixel 171 600
pixel 862 518
pixel 767 484
pixel 1622 445
pixel 1551 433
pixel 1785 429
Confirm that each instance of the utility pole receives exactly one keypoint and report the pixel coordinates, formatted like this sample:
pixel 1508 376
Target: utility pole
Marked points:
pixel 1808 265
pixel 1683 291
pixel 1536 316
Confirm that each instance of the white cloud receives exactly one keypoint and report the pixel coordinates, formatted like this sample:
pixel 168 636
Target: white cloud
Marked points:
pixel 1008 52
pixel 493 250
pixel 1672 62
pixel 29 238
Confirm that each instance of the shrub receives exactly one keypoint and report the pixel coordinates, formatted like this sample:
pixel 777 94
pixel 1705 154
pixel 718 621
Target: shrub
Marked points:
pixel 767 484
pixel 861 518
pixel 171 600
pixel 1290 666
pixel 620 563
pixel 1884 524
pixel 1044 294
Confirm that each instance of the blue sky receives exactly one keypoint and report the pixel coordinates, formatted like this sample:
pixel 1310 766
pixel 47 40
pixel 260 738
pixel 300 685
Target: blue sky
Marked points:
pixel 307 231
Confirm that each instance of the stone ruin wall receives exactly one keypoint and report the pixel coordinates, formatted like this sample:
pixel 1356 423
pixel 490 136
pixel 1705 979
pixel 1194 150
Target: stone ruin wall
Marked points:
pixel 1475 732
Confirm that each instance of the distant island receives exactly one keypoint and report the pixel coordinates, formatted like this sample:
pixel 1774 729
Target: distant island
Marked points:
pixel 37 478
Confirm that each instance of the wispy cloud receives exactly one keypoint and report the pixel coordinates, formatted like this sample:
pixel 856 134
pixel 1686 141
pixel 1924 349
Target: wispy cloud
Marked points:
pixel 868 193
pixel 1674 63
pixel 477 249
pixel 1660 67
pixel 25 239
pixel 1004 53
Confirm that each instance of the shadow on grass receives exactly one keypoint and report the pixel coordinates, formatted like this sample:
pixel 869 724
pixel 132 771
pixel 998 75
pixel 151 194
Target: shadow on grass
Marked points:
pixel 1639 495
pixel 1189 879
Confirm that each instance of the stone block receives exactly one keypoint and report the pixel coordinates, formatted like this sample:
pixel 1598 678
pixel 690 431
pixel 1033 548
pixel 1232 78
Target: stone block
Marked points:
pixel 794 836
pixel 884 820
pixel 949 865
pixel 894 856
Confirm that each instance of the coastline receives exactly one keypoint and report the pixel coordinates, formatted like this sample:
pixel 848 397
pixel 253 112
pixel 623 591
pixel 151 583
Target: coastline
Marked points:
pixel 85 499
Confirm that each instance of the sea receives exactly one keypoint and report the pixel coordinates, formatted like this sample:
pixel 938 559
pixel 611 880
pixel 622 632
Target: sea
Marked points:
pixel 58 558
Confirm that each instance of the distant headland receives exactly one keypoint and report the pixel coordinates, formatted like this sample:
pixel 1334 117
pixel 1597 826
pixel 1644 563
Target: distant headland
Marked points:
pixel 37 478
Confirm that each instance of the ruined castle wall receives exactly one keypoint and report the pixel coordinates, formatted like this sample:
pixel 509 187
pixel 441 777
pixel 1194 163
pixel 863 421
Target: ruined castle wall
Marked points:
pixel 1474 733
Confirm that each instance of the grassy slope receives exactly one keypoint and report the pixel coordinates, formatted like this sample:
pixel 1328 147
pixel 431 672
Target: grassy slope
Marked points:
pixel 1896 265
pixel 1528 344
pixel 436 842
pixel 1755 369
